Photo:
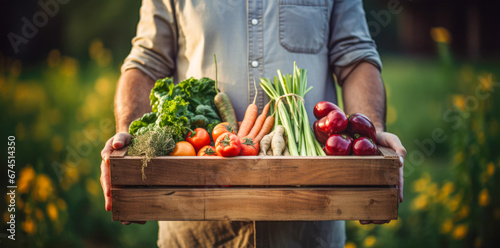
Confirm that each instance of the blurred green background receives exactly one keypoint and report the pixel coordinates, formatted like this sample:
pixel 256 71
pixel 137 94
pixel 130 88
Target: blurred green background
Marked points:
pixel 442 76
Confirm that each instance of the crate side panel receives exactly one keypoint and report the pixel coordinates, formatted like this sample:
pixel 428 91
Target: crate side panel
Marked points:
pixel 256 171
pixel 271 204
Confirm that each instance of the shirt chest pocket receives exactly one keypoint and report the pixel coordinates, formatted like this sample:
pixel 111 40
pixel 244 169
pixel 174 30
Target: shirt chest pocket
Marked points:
pixel 303 25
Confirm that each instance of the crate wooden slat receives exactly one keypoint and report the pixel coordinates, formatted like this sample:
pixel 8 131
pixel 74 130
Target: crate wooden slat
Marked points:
pixel 270 204
pixel 372 170
pixel 182 188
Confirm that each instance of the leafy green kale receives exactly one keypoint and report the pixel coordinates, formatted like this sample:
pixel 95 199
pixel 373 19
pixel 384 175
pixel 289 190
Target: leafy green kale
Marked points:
pixel 174 114
pixel 189 104
pixel 140 125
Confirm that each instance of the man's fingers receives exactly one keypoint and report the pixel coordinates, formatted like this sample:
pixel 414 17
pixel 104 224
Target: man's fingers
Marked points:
pixel 106 151
pixel 106 185
pixel 121 139
pixel 392 141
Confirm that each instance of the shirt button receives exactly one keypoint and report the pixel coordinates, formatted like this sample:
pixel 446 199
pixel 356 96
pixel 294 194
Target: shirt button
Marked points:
pixel 255 63
pixel 255 22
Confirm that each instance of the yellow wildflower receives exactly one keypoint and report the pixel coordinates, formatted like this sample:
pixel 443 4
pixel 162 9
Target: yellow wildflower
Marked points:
pixel 370 241
pixel 25 179
pixel 72 174
pixel 392 114
pixel 29 226
pixel 460 231
pixel 447 189
pixel 350 245
pixel 490 169
pixel 52 211
pixel 484 198
pixel 394 224
pixel 432 190
pixel 441 35
pixel 69 66
pixel 420 202
pixel 43 187
pixel 486 81
pixel 446 226
pixel 103 86
pixel 92 187
pixel 420 185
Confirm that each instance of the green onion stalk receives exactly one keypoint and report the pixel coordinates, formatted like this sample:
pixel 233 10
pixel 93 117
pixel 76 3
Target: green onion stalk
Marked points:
pixel 287 92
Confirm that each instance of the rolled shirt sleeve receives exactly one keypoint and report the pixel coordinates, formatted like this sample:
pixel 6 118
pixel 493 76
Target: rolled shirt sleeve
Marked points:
pixel 154 47
pixel 350 40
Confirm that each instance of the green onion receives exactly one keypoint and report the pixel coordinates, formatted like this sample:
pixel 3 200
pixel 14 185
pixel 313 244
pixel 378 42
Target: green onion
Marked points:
pixel 287 92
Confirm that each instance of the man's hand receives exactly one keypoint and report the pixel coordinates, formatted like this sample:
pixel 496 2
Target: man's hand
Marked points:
pixel 116 142
pixel 392 141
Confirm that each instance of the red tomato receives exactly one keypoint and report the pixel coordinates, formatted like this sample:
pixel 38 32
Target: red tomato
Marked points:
pixel 208 151
pixel 228 145
pixel 220 129
pixel 248 147
pixel 199 139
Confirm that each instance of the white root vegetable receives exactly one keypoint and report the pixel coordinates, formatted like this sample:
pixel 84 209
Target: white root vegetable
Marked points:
pixel 278 141
pixel 265 142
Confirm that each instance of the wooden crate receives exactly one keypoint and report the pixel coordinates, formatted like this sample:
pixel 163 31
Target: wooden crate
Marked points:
pixel 262 188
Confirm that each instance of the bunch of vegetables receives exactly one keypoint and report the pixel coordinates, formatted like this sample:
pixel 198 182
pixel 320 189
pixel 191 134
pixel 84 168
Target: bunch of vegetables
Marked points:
pixel 176 109
pixel 288 93
pixel 341 134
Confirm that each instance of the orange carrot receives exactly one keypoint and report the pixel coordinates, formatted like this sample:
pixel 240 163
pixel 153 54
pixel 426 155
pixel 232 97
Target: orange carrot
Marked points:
pixel 266 128
pixel 248 120
pixel 250 116
pixel 259 122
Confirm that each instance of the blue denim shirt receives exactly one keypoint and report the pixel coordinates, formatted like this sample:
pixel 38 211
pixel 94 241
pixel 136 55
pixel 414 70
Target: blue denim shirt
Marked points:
pixel 253 39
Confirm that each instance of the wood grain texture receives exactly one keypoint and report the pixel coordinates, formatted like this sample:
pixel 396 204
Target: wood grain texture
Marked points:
pixel 387 152
pixel 187 171
pixel 120 153
pixel 271 204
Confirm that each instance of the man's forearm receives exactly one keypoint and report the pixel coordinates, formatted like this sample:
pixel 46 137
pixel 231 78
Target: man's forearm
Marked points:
pixel 132 98
pixel 363 92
